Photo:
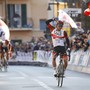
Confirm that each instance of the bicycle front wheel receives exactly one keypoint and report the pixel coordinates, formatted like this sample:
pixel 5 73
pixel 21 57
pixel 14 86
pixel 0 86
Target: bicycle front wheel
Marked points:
pixel 60 74
pixel 5 65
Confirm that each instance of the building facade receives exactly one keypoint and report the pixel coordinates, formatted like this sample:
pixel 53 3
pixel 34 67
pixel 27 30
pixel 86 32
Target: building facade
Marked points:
pixel 25 18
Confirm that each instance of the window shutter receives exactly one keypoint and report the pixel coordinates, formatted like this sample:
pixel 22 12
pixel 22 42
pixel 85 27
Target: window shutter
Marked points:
pixel 24 15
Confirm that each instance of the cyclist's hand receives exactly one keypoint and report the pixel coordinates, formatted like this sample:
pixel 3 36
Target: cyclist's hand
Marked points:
pixel 68 49
pixel 54 19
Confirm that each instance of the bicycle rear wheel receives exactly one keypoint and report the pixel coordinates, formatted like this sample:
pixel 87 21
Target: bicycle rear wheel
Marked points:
pixel 60 73
pixel 5 65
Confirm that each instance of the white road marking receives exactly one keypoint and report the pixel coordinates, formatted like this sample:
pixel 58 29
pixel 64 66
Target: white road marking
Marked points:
pixel 23 74
pixel 38 81
pixel 43 84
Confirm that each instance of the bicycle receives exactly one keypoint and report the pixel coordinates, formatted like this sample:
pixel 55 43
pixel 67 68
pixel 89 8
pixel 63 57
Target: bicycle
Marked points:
pixel 3 61
pixel 60 71
pixel 60 68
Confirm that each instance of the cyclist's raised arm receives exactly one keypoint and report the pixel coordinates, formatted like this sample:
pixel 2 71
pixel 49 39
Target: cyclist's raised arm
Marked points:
pixel 49 25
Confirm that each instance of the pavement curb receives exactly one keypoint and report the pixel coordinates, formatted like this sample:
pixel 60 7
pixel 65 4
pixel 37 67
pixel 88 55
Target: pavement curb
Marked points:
pixel 33 63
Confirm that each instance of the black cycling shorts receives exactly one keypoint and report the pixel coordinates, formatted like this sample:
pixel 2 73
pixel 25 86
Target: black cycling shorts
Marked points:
pixel 5 48
pixel 59 49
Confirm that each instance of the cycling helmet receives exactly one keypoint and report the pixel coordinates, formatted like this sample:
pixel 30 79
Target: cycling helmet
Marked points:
pixel 60 23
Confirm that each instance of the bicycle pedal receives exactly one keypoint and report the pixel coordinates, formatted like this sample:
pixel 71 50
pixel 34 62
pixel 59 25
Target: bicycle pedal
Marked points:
pixel 55 75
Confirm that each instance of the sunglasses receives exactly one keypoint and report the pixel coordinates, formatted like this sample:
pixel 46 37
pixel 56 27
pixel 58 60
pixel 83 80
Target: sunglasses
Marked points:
pixel 60 25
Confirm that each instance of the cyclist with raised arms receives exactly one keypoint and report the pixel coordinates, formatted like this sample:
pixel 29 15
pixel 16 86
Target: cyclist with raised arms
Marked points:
pixel 59 38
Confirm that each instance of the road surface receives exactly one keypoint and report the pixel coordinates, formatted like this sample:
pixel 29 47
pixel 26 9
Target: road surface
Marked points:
pixel 41 78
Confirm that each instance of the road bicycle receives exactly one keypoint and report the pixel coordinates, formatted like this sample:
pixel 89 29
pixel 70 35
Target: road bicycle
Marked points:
pixel 60 69
pixel 3 61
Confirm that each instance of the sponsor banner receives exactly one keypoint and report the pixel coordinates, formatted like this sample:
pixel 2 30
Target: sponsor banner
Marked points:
pixel 78 58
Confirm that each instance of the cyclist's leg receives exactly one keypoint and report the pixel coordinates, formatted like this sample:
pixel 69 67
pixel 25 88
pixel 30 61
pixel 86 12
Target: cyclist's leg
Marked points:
pixel 54 55
pixel 7 49
pixel 65 58
pixel 54 60
pixel 7 55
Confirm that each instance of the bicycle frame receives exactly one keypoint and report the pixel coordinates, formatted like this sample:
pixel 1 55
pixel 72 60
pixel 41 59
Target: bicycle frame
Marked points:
pixel 60 71
pixel 3 60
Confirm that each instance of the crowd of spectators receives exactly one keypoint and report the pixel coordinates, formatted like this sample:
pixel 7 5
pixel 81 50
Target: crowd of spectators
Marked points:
pixel 81 41
pixel 34 44
pixel 78 41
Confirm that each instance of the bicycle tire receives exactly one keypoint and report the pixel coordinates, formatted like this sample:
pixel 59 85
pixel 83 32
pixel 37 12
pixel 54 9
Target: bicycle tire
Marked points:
pixel 60 74
pixel 0 66
pixel 5 65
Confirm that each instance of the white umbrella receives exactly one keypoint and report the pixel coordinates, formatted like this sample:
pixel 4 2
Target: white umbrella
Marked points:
pixel 63 16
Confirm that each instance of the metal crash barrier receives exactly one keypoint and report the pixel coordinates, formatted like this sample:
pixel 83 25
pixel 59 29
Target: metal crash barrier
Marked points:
pixel 79 60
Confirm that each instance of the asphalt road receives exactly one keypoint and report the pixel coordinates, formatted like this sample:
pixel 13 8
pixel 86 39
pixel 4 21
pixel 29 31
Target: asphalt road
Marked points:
pixel 41 78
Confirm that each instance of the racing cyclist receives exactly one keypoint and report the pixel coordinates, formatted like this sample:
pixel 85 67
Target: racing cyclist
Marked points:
pixel 59 37
pixel 5 39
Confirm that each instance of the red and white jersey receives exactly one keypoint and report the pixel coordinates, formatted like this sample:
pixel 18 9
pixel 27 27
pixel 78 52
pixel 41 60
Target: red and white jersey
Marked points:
pixel 57 37
pixel 4 31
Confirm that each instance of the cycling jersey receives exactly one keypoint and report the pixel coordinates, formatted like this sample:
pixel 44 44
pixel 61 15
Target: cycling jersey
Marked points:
pixel 57 41
pixel 58 37
pixel 4 31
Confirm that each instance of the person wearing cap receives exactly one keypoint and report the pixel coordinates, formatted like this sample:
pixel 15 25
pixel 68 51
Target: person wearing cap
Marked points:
pixel 87 11
pixel 59 37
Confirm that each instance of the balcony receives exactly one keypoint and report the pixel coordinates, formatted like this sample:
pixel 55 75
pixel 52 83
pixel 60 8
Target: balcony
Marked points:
pixel 21 29
pixel 16 24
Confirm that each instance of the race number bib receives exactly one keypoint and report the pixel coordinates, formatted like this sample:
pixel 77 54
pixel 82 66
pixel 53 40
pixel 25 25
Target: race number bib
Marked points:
pixel 1 33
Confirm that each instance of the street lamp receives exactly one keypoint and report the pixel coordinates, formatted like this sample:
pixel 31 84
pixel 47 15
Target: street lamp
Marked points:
pixel 49 8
